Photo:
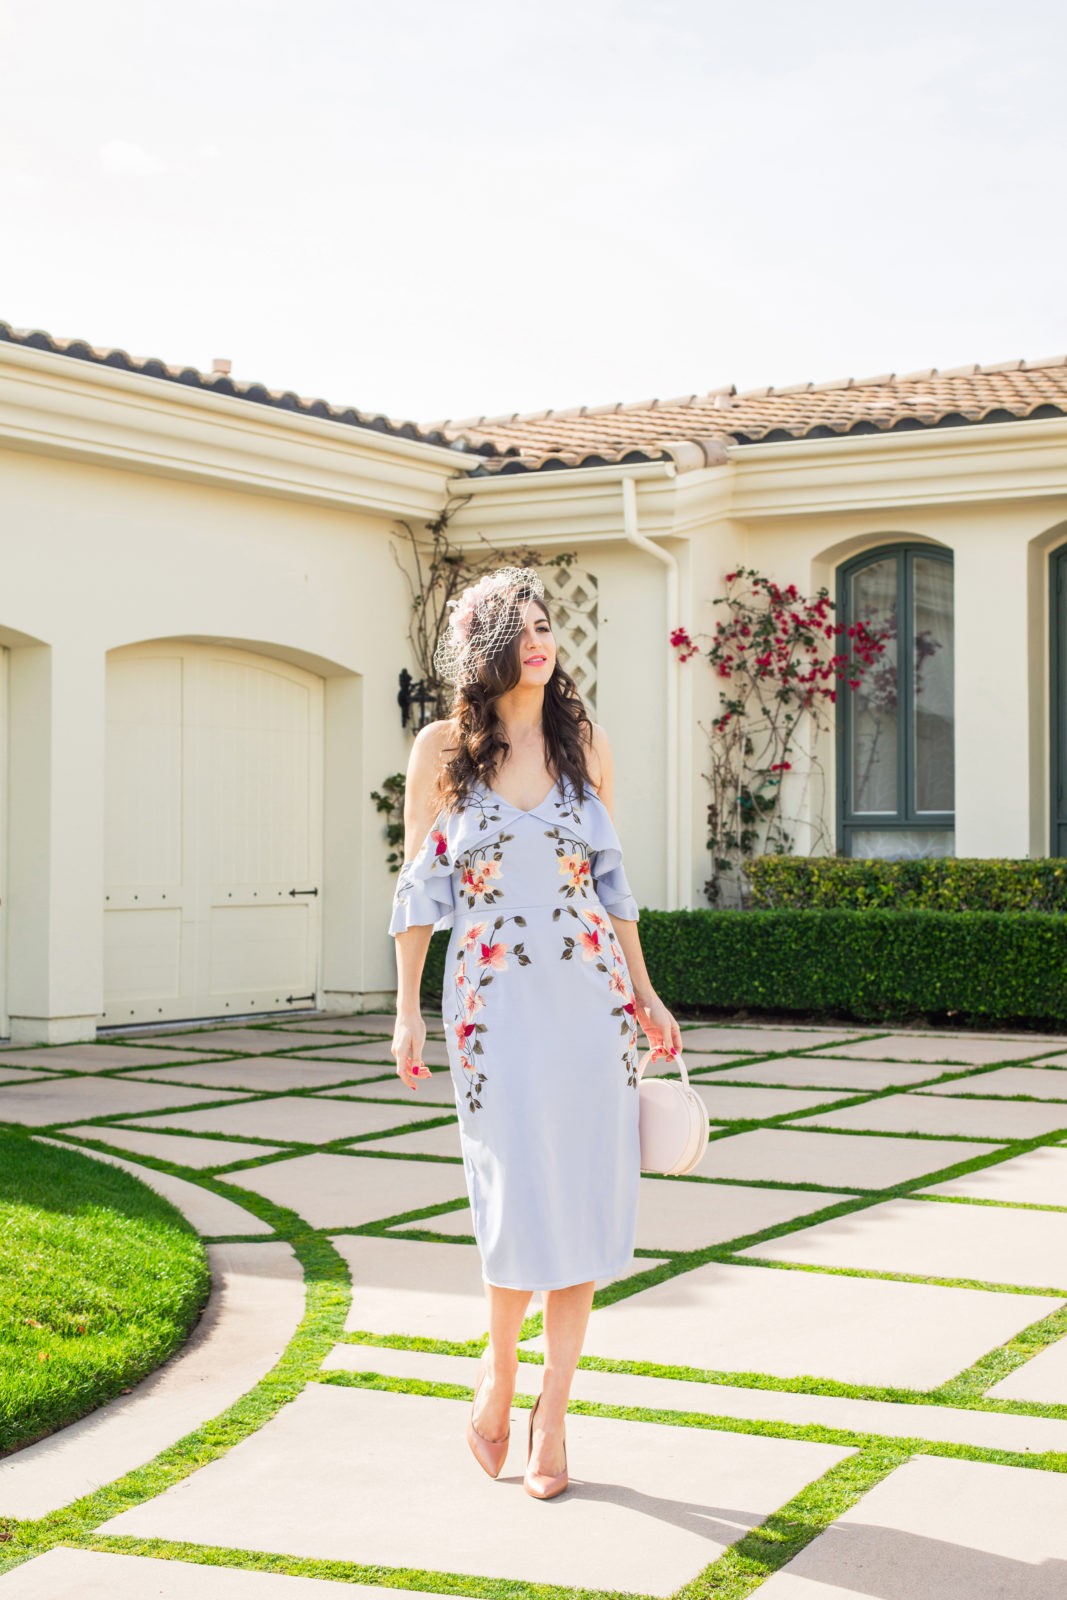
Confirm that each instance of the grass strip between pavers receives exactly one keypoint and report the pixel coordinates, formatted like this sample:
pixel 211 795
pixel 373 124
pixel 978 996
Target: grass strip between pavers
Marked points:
pixel 328 1296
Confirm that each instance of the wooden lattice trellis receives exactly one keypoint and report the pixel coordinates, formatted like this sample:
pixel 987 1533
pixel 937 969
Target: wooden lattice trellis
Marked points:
pixel 572 597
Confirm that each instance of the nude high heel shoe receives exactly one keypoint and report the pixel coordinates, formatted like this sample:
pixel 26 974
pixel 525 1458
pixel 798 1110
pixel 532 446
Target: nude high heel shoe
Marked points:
pixel 489 1453
pixel 543 1485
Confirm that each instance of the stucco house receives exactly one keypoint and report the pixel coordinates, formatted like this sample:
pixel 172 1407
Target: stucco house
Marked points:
pixel 204 622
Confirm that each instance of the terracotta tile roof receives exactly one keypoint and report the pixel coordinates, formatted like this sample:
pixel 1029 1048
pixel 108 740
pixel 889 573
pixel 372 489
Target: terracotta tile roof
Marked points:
pixel 652 430
pixel 222 383
pixel 590 435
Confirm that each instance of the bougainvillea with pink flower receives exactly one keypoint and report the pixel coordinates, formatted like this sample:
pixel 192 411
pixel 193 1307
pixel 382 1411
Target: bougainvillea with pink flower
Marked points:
pixel 774 652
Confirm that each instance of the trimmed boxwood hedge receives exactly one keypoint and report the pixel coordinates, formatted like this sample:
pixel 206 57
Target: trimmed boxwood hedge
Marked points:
pixel 936 883
pixel 872 966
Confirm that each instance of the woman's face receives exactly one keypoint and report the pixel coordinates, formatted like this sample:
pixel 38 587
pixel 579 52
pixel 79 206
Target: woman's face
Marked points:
pixel 537 647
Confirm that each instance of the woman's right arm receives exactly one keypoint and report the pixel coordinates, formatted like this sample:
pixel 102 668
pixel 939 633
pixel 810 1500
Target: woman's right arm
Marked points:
pixel 420 809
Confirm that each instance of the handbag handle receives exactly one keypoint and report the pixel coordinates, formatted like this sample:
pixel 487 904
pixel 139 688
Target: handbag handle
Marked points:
pixel 674 1060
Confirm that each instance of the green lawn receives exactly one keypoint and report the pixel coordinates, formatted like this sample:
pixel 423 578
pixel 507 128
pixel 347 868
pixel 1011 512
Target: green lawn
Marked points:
pixel 102 1280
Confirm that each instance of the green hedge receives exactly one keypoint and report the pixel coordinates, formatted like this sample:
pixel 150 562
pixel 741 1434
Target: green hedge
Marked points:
pixel 869 966
pixel 933 883
pixel 873 966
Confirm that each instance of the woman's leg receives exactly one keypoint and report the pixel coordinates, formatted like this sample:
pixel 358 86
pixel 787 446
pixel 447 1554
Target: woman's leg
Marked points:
pixel 566 1317
pixel 507 1308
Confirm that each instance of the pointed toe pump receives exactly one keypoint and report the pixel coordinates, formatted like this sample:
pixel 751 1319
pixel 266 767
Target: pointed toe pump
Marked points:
pixel 489 1453
pixel 543 1485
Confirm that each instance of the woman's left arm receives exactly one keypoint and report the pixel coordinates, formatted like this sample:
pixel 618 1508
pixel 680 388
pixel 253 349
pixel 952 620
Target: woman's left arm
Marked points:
pixel 663 1033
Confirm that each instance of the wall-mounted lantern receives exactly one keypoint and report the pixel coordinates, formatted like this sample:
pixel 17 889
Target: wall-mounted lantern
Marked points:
pixel 417 701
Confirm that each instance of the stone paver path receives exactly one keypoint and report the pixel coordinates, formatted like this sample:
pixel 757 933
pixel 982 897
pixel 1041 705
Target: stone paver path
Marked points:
pixel 834 1367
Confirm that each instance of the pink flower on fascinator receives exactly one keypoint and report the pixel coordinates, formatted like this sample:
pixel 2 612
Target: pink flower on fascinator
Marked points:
pixel 469 601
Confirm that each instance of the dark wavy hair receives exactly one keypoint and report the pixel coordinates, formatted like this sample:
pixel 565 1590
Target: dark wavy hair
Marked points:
pixel 482 740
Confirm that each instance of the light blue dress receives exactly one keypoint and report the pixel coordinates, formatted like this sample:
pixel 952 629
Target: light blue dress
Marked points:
pixel 538 1011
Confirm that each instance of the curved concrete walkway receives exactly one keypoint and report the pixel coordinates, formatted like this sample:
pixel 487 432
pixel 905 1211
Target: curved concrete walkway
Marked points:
pixel 864 1284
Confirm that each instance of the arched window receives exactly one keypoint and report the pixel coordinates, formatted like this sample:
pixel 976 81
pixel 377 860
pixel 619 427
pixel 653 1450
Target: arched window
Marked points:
pixel 896 731
pixel 1058 701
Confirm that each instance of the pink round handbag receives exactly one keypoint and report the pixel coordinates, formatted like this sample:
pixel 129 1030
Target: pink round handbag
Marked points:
pixel 673 1120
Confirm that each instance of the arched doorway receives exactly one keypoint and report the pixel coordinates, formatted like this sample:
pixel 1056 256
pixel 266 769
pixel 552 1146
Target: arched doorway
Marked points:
pixel 213 845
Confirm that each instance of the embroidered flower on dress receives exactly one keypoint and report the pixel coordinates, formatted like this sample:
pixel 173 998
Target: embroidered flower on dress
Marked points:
pixel 576 870
pixel 492 957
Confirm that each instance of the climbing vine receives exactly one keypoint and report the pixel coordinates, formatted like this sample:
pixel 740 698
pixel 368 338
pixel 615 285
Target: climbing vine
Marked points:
pixel 774 651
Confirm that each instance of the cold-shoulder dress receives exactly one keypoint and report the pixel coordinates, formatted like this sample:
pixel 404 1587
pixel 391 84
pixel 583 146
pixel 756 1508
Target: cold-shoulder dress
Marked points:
pixel 538 1011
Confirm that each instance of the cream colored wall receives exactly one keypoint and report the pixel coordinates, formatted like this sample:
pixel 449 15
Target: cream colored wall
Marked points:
pixel 97 558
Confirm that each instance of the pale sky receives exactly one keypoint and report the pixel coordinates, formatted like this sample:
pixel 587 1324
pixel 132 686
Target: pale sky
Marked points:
pixel 446 207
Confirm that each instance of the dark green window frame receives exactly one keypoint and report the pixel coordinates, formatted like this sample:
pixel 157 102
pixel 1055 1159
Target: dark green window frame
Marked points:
pixel 904 818
pixel 1057 633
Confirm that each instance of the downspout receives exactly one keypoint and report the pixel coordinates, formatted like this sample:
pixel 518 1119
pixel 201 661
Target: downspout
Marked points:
pixel 640 542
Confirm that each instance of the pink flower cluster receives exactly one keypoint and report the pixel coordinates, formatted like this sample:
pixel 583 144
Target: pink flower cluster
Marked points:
pixel 464 609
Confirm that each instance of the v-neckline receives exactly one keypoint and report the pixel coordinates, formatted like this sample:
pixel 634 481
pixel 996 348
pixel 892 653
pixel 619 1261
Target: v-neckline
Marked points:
pixel 523 810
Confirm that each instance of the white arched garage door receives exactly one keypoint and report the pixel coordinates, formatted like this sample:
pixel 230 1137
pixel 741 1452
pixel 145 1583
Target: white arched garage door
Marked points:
pixel 214 834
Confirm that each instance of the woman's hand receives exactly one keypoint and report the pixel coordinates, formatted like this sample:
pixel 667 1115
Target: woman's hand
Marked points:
pixel 409 1041
pixel 662 1032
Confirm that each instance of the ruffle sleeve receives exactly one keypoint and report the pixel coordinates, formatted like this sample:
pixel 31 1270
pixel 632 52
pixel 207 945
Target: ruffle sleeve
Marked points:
pixel 426 887
pixel 606 868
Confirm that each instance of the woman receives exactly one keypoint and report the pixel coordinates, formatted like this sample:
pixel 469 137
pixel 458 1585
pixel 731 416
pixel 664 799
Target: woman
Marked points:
pixel 510 843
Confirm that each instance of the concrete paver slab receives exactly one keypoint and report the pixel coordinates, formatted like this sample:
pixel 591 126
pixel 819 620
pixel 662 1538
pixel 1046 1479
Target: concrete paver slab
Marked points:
pixel 740 1103
pixel 184 1150
pixel 260 1073
pixel 924 1113
pixel 1042 1380
pixel 807 1324
pixel 86 1057
pixel 433 1291
pixel 331 1191
pixel 698 1492
pixel 737 1040
pixel 840 1161
pixel 254 1041
pixel 673 1214
pixel 65 1574
pixel 938 1529
pixel 209 1213
pixel 438 1090
pixel 986 1243
pixel 74 1099
pixel 443 1141
pixel 824 1072
pixel 371 1022
pixel 959 1047
pixel 986 1430
pixel 20 1075
pixel 1040 1084
pixel 376 1050
pixel 256 1302
pixel 1038 1178
pixel 301 1119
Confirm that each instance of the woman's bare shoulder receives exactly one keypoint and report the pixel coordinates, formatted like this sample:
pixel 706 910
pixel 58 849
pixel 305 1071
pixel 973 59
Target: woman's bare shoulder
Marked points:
pixel 598 754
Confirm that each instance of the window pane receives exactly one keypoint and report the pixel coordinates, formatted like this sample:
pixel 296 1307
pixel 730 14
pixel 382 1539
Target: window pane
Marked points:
pixel 904 844
pixel 934 731
pixel 872 708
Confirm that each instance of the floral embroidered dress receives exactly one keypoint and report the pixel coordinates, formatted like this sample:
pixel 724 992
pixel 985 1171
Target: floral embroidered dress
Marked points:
pixel 539 1022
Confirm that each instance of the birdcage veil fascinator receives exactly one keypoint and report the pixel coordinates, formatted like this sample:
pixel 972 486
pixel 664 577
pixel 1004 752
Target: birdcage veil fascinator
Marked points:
pixel 484 619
